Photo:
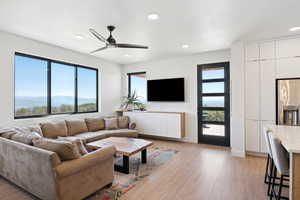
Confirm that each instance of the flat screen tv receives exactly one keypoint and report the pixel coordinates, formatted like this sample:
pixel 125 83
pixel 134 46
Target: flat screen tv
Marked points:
pixel 165 89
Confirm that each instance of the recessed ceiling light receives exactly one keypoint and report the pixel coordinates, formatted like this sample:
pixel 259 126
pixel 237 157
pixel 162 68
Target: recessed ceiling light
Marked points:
pixel 185 46
pixel 297 28
pixel 153 16
pixel 127 55
pixel 79 37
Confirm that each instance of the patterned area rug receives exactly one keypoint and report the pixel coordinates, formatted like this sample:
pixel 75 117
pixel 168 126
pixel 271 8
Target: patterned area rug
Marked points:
pixel 157 156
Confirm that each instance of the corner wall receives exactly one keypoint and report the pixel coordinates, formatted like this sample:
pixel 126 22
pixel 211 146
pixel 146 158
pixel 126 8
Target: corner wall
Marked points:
pixel 174 68
pixel 109 76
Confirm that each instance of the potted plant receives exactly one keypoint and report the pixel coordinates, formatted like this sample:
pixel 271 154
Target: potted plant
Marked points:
pixel 132 102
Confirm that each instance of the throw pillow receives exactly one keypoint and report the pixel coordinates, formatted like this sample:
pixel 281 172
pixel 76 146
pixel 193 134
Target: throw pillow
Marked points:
pixel 111 123
pixel 95 124
pixel 65 150
pixel 76 127
pixel 78 142
pixel 132 125
pixel 25 138
pixel 8 134
pixel 123 122
pixel 53 130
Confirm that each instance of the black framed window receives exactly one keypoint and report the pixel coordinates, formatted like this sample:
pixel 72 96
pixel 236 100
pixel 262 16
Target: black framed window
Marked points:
pixel 47 87
pixel 137 82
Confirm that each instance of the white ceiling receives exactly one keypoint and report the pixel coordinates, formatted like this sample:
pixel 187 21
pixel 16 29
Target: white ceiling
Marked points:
pixel 202 24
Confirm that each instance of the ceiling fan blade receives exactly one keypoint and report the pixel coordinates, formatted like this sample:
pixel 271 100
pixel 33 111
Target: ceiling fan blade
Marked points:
pixel 134 46
pixel 100 49
pixel 98 36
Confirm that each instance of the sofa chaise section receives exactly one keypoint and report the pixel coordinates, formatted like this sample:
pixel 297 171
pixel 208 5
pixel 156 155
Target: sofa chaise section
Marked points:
pixel 43 174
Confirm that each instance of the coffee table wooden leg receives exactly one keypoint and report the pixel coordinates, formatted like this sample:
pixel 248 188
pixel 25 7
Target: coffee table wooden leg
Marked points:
pixel 144 156
pixel 125 167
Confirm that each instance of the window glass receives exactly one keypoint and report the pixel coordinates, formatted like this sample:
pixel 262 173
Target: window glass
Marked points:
pixel 138 84
pixel 213 87
pixel 62 88
pixel 213 129
pixel 213 115
pixel 213 101
pixel 87 89
pixel 30 86
pixel 212 73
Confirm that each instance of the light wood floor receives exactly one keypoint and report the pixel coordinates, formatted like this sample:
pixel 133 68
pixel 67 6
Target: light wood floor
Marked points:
pixel 197 172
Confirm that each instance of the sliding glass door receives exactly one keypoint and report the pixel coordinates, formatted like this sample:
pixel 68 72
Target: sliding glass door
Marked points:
pixel 213 104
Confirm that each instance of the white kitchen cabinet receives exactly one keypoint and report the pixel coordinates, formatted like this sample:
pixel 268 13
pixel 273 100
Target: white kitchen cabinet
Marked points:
pixel 263 145
pixel 267 90
pixel 267 51
pixel 252 87
pixel 252 135
pixel 163 124
pixel 288 68
pixel 288 48
pixel 252 52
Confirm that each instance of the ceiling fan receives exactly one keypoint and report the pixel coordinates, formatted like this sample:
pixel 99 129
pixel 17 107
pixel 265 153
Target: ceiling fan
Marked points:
pixel 110 42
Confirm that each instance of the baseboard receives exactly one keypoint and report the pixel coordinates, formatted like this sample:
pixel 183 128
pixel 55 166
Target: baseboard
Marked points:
pixel 238 153
pixel 258 154
pixel 161 138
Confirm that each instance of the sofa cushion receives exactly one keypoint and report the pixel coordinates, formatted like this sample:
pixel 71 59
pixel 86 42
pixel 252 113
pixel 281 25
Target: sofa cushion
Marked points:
pixel 91 136
pixel 65 150
pixel 76 127
pixel 7 132
pixel 78 142
pixel 121 133
pixel 54 129
pixel 111 123
pixel 95 124
pixel 123 122
pixel 36 129
pixel 25 138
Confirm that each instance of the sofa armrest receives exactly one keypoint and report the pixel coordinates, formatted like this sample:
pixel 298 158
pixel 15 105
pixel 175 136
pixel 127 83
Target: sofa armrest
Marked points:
pixel 68 168
pixel 132 125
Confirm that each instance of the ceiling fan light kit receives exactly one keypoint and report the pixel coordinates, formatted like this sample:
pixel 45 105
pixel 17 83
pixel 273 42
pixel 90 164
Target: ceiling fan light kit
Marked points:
pixel 110 42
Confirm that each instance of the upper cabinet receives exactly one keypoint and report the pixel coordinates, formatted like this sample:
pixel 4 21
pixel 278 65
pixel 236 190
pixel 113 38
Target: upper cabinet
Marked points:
pixel 267 51
pixel 252 87
pixel 252 52
pixel 288 48
pixel 260 51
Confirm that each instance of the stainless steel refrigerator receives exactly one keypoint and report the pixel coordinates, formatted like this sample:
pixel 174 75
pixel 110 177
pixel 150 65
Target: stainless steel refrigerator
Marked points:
pixel 288 101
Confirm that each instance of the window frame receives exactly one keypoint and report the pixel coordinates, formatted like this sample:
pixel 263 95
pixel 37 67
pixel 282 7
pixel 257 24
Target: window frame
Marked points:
pixel 129 80
pixel 49 61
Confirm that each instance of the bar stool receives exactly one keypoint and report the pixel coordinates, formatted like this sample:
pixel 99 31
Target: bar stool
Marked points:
pixel 270 164
pixel 281 161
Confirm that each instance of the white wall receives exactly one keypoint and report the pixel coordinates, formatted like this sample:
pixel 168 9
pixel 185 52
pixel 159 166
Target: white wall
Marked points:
pixel 178 67
pixel 109 76
pixel 237 99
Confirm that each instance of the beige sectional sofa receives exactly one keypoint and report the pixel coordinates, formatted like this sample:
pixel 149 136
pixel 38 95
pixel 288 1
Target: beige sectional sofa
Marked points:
pixel 46 175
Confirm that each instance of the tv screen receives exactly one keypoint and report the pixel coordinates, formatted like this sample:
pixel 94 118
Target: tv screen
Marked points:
pixel 166 89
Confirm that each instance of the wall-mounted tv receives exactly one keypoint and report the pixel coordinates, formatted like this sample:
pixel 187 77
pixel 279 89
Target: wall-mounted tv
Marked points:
pixel 165 89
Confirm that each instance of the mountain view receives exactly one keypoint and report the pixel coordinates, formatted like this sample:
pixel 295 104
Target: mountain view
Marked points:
pixel 28 105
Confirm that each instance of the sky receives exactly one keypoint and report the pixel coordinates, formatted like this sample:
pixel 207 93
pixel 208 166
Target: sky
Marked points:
pixel 139 85
pixel 31 79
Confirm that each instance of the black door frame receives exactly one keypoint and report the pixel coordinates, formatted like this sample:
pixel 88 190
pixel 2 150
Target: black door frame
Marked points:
pixel 209 139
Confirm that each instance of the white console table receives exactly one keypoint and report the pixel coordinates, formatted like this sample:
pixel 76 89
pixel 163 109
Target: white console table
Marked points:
pixel 163 124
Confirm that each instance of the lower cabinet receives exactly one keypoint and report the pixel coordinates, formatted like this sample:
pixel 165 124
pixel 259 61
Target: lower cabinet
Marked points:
pixel 255 141
pixel 164 124
pixel 252 135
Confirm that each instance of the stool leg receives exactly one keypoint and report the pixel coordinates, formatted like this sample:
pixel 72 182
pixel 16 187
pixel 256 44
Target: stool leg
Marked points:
pixel 280 187
pixel 270 176
pixel 267 169
pixel 273 192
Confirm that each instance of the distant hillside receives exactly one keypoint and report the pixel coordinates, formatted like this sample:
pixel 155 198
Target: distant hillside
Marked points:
pixel 25 102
